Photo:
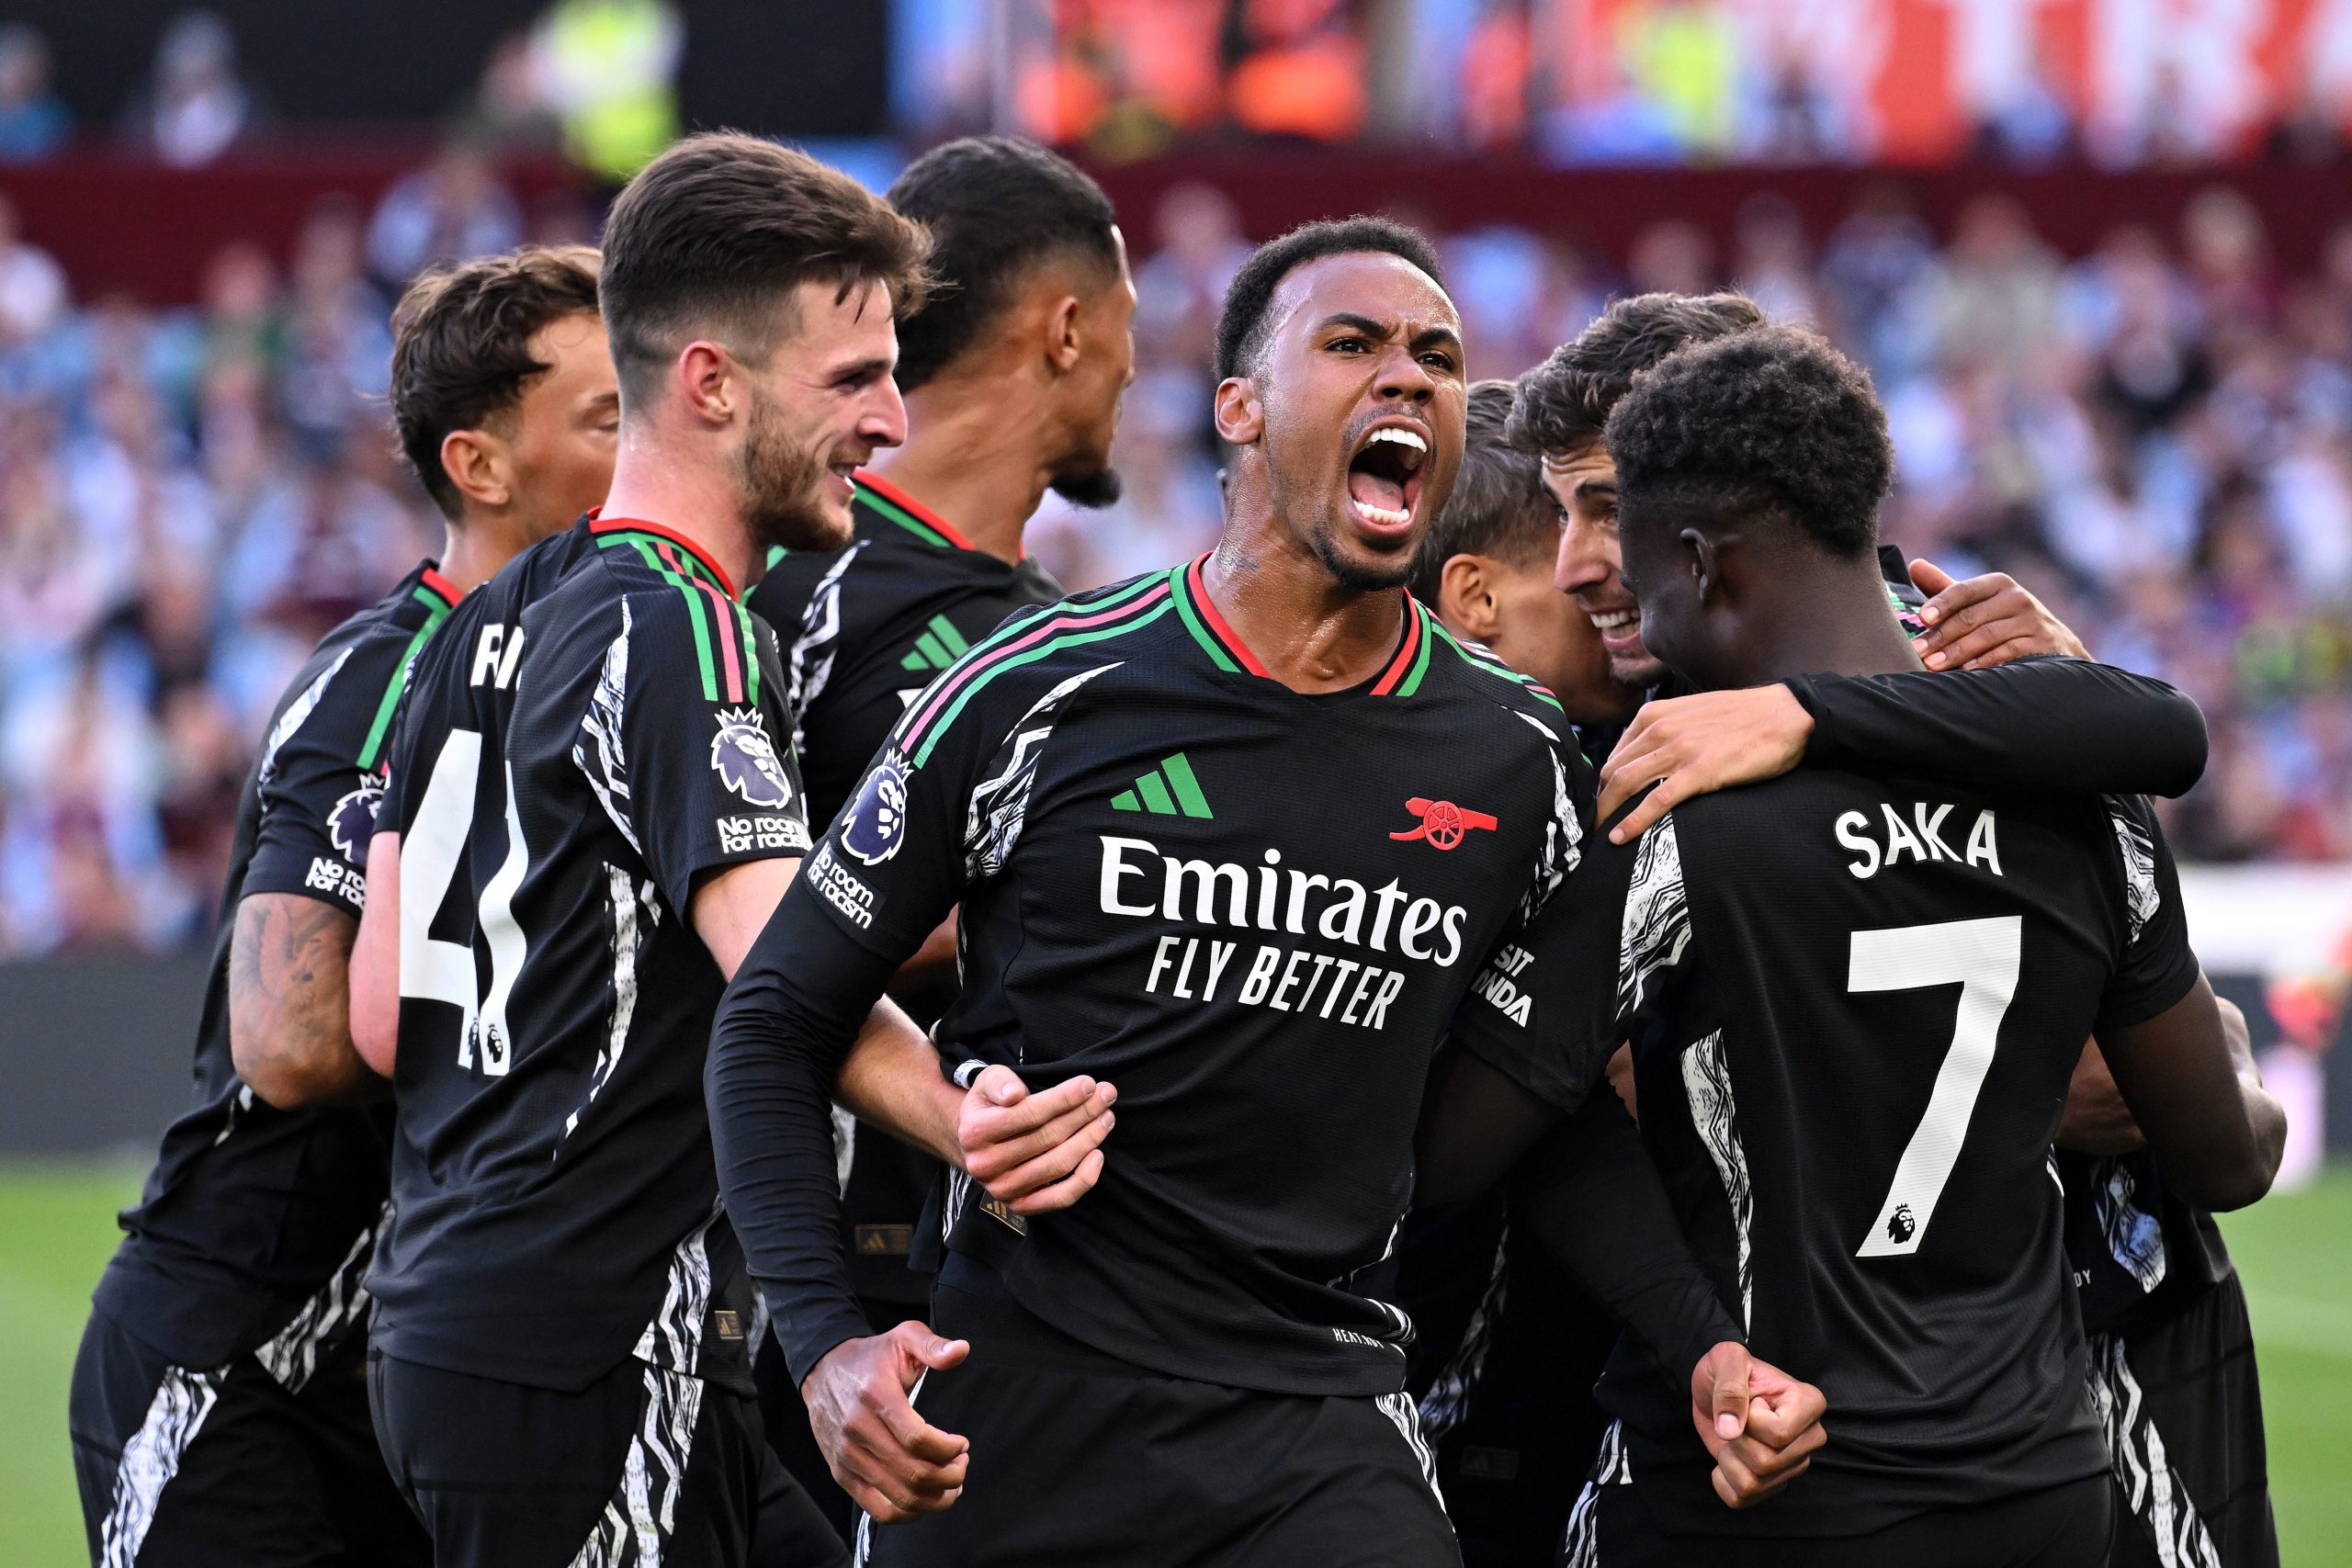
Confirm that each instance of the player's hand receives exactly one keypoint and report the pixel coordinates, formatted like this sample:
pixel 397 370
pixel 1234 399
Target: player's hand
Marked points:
pixel 1036 1152
pixel 1690 746
pixel 1761 1426
pixel 892 1463
pixel 1984 621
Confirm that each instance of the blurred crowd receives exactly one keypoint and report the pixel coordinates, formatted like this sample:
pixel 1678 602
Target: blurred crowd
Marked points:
pixel 2156 437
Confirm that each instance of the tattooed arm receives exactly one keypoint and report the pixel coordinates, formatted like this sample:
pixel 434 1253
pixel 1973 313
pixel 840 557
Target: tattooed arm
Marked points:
pixel 289 1011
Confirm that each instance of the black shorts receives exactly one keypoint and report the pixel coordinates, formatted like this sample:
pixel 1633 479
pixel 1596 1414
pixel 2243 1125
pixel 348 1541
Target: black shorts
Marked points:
pixel 178 1466
pixel 2183 1410
pixel 1080 1459
pixel 2069 1526
pixel 1504 1371
pixel 641 1465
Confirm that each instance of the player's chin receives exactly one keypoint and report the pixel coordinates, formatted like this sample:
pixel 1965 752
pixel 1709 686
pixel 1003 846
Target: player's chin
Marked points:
pixel 1636 667
pixel 1366 560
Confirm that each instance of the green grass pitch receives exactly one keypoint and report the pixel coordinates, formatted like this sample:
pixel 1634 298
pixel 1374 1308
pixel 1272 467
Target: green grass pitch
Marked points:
pixel 56 1230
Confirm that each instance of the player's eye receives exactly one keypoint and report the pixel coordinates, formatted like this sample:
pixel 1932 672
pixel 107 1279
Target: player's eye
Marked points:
pixel 1351 344
pixel 1438 359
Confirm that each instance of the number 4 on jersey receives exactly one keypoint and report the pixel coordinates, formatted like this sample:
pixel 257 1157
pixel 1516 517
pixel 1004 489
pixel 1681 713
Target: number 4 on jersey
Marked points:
pixel 432 970
pixel 1981 957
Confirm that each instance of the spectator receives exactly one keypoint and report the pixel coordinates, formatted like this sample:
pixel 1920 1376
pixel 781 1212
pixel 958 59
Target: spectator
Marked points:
pixel 453 209
pixel 33 123
pixel 198 106
pixel 1996 293
pixel 32 285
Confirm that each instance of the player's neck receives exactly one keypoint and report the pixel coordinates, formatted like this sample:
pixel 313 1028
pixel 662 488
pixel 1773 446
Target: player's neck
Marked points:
pixel 472 553
pixel 1312 632
pixel 1833 624
pixel 966 459
pixel 698 498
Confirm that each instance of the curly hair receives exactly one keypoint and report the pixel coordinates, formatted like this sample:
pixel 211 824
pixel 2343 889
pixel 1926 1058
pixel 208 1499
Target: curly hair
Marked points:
pixel 1563 402
pixel 1240 332
pixel 1498 507
pixel 996 207
pixel 1771 420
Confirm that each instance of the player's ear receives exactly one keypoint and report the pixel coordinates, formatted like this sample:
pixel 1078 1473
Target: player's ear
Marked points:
pixel 710 380
pixel 1466 597
pixel 1063 338
pixel 478 465
pixel 1241 417
pixel 1705 565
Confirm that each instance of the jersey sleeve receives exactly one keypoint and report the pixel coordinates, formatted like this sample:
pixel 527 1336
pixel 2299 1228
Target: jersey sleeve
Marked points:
pixel 319 781
pixel 1521 1011
pixel 2042 723
pixel 684 743
pixel 897 858
pixel 2156 967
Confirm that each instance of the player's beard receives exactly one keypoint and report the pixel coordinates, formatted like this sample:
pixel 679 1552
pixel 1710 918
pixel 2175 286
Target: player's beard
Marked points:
pixel 1093 489
pixel 783 504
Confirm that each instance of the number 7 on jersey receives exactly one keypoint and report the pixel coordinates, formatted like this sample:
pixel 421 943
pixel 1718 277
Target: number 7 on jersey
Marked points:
pixel 1981 957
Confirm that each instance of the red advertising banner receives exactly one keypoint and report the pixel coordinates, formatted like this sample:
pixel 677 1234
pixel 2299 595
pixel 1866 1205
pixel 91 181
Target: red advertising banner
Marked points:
pixel 1913 81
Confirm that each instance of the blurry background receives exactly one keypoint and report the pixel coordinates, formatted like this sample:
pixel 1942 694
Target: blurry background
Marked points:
pixel 2096 252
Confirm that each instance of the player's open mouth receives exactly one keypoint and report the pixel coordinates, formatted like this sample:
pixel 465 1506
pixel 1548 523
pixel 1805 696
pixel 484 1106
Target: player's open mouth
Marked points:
pixel 1385 477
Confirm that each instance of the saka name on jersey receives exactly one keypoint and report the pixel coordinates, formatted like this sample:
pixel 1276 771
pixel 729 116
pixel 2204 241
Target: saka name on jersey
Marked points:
pixel 1258 912
pixel 871 624
pixel 597 727
pixel 258 1224
pixel 1854 1008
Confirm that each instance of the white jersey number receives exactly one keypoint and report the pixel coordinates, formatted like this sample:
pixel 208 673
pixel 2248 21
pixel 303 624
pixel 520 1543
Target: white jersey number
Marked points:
pixel 1981 957
pixel 438 971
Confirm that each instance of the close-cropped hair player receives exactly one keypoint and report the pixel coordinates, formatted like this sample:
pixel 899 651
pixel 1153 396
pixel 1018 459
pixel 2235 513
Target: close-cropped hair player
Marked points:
pixel 1855 1006
pixel 592 809
pixel 218 1411
pixel 1011 376
pixel 1236 836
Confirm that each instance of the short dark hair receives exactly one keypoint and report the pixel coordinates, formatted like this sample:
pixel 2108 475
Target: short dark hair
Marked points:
pixel 1498 507
pixel 461 347
pixel 1771 422
pixel 996 206
pixel 1563 402
pixel 1240 329
pixel 714 231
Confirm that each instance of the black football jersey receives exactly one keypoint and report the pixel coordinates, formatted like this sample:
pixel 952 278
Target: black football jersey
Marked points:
pixel 597 727
pixel 256 1224
pixel 1256 912
pixel 1854 1008
pixel 866 627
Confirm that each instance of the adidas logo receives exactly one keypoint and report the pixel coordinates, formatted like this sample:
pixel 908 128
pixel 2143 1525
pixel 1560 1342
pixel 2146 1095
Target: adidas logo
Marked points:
pixel 1168 790
pixel 936 648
